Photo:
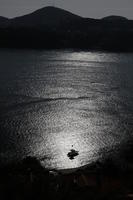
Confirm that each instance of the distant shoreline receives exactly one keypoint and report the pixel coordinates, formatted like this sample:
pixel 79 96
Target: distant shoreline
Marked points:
pixel 66 49
pixel 52 28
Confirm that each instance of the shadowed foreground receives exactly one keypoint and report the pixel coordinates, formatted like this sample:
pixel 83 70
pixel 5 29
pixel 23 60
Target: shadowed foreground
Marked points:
pixel 28 180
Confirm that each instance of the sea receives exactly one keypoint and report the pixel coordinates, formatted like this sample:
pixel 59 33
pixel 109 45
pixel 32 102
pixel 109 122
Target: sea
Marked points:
pixel 53 101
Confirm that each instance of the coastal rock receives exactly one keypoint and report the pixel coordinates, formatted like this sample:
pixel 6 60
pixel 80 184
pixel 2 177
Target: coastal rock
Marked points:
pixel 72 154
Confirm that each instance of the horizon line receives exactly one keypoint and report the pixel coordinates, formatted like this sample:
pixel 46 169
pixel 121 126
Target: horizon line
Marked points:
pixel 53 6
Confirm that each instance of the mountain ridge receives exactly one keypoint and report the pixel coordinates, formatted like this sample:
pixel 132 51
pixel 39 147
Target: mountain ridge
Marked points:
pixel 52 27
pixel 115 17
pixel 50 10
pixel 50 14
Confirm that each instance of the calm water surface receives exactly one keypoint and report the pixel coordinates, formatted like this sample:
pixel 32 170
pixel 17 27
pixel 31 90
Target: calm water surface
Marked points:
pixel 53 101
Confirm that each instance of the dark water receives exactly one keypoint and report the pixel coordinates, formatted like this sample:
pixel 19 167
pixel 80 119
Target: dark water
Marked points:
pixel 55 101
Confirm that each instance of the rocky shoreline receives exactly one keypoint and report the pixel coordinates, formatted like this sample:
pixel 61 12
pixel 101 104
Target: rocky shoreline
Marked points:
pixel 29 180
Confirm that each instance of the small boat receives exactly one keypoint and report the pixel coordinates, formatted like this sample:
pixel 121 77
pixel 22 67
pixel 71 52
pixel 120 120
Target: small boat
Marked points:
pixel 72 154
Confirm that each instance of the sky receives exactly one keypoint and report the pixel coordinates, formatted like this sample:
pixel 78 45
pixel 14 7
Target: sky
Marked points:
pixel 85 8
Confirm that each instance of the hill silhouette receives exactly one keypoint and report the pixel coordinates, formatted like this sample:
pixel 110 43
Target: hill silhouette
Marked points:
pixel 115 18
pixel 46 16
pixel 3 20
pixel 51 27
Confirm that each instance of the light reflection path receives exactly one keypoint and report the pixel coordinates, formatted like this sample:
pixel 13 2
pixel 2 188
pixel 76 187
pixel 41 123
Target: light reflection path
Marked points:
pixel 83 105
